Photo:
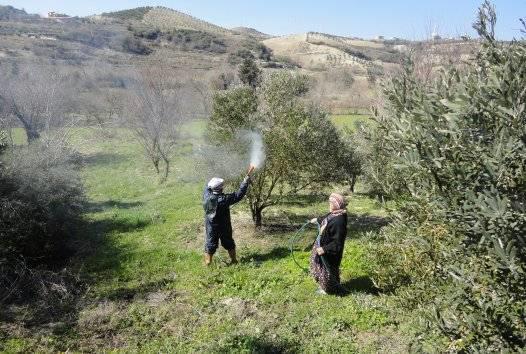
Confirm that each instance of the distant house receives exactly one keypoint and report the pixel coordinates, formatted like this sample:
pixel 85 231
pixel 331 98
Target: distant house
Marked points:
pixel 380 38
pixel 53 14
pixel 58 17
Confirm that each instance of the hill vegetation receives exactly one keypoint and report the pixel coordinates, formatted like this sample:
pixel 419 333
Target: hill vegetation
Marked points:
pixel 11 13
pixel 136 14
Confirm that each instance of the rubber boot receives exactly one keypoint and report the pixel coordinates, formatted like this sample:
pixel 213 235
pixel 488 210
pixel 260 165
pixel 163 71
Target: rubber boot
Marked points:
pixel 208 259
pixel 232 254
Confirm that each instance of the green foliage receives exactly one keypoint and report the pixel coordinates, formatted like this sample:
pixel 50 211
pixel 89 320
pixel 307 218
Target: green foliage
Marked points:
pixel 184 39
pixel 301 143
pixel 3 141
pixel 286 62
pixel 232 109
pixel 196 40
pixel 141 254
pixel 131 14
pixel 39 201
pixel 146 33
pixel 260 50
pixel 135 46
pixel 10 13
pixel 251 49
pixel 249 73
pixel 460 145
pixel 374 72
pixel 348 166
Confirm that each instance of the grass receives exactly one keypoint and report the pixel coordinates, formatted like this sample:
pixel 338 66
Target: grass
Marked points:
pixel 149 291
pixel 349 120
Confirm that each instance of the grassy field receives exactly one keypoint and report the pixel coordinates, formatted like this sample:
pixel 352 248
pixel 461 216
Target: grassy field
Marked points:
pixel 141 255
pixel 349 120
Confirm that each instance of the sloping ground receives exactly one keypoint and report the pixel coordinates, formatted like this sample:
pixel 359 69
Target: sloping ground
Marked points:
pixel 10 13
pixel 129 14
pixel 167 19
pixel 251 32
pixel 312 56
pixel 335 41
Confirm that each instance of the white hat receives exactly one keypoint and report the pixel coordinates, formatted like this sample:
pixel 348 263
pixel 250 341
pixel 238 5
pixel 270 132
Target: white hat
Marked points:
pixel 216 184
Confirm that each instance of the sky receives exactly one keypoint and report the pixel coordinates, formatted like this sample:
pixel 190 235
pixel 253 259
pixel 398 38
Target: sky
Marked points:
pixel 410 19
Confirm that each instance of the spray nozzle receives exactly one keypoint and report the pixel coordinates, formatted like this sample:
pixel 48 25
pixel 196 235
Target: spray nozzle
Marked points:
pixel 251 169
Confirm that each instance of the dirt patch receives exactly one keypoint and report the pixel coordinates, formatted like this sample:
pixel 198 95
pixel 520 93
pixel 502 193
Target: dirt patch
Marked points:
pixel 101 315
pixel 388 341
pixel 158 298
pixel 238 308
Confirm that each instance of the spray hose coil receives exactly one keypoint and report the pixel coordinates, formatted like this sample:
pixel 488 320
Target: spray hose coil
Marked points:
pixel 294 239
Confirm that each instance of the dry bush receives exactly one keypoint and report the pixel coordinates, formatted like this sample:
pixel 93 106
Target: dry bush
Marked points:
pixel 36 96
pixel 155 116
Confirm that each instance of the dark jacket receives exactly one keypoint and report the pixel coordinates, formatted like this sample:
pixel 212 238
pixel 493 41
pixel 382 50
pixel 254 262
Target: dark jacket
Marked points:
pixel 333 238
pixel 217 209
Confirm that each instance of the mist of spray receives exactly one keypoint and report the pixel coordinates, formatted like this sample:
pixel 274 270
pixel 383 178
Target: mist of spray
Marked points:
pixel 227 161
pixel 257 150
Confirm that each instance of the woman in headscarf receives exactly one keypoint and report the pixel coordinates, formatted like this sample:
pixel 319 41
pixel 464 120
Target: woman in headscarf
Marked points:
pixel 327 251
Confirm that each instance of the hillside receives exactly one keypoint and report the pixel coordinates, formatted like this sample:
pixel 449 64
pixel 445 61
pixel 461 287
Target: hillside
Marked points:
pixel 11 13
pixel 344 69
pixel 250 32
pixel 317 55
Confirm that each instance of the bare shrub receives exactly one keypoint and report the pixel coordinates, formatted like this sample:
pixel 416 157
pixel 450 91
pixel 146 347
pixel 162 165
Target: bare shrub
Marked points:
pixel 155 116
pixel 36 97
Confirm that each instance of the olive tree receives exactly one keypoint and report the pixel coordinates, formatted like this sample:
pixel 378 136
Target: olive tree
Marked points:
pixel 301 143
pixel 460 143
pixel 249 73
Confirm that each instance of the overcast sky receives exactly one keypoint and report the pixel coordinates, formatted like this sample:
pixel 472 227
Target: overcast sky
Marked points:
pixel 412 19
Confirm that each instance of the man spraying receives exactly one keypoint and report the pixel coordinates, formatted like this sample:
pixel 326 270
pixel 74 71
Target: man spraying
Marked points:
pixel 217 216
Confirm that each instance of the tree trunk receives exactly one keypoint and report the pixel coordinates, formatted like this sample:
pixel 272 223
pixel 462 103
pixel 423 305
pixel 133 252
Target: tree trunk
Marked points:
pixel 156 165
pixel 31 133
pixel 166 169
pixel 258 219
pixel 257 216
pixel 353 182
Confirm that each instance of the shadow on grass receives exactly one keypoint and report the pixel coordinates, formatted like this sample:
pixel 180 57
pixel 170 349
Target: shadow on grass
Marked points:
pixel 305 199
pixel 286 223
pixel 138 292
pixel 102 158
pixel 109 204
pixel 365 222
pixel 356 224
pixel 363 284
pixel 91 254
pixel 273 254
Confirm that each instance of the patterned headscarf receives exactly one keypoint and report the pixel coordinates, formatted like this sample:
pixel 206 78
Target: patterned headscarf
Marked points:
pixel 338 208
pixel 337 202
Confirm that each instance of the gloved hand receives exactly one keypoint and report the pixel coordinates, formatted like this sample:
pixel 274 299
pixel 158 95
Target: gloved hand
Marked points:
pixel 247 179
pixel 313 221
